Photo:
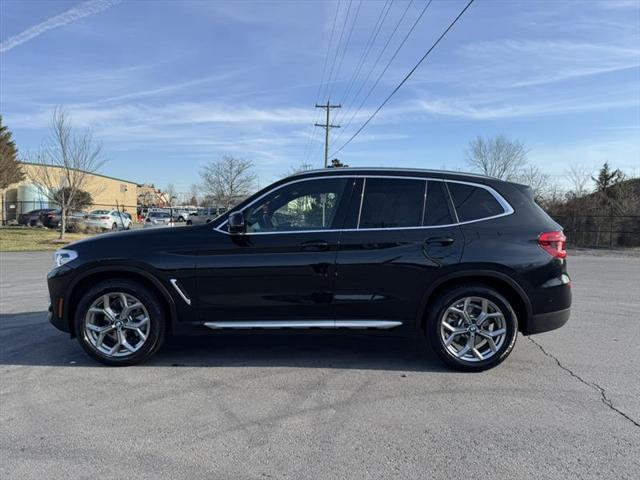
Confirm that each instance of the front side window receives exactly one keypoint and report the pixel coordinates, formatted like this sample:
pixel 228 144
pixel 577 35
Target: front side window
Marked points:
pixel 473 203
pixel 306 205
pixel 392 203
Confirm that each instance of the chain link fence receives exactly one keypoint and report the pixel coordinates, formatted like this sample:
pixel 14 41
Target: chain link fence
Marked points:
pixel 604 231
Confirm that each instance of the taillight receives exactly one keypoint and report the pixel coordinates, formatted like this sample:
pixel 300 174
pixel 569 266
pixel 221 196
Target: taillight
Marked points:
pixel 554 243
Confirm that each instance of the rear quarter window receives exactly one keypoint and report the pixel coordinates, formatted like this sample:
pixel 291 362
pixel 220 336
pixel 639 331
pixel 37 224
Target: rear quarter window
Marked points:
pixel 473 203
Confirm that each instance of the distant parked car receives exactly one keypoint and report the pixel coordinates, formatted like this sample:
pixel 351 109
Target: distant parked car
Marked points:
pixel 32 218
pixel 205 215
pixel 158 219
pixel 53 218
pixel 182 214
pixel 108 220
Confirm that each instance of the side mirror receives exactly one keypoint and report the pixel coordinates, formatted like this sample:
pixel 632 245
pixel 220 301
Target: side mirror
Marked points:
pixel 236 223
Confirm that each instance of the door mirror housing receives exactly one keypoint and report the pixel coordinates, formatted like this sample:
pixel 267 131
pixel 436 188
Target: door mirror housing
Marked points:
pixel 236 223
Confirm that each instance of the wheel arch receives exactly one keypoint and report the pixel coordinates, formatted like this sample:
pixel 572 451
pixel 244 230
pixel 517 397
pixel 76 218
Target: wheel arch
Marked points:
pixel 90 278
pixel 501 282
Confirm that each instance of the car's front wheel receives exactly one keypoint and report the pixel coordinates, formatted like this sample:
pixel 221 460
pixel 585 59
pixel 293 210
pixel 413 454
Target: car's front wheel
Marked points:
pixel 120 322
pixel 472 327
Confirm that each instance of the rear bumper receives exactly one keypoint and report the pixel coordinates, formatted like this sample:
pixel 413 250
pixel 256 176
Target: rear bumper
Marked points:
pixel 544 322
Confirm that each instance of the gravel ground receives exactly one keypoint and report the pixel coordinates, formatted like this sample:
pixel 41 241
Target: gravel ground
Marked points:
pixel 566 404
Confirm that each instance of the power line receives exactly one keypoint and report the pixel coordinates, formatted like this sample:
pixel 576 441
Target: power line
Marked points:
pixel 346 46
pixel 384 70
pixel 311 137
pixel 335 58
pixel 375 64
pixel 411 72
pixel 367 49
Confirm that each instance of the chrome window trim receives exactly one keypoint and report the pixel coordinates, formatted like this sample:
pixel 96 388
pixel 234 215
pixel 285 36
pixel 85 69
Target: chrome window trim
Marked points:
pixel 508 209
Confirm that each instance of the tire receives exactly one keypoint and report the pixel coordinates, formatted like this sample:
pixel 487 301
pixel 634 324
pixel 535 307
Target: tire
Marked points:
pixel 479 336
pixel 114 226
pixel 189 222
pixel 90 327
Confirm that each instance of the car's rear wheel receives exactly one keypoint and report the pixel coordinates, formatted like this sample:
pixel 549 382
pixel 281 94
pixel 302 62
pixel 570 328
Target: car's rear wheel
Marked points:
pixel 114 226
pixel 120 322
pixel 472 327
pixel 189 222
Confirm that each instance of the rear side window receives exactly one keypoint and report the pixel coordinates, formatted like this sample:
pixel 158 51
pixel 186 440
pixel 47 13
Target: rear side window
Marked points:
pixel 473 203
pixel 437 208
pixel 392 202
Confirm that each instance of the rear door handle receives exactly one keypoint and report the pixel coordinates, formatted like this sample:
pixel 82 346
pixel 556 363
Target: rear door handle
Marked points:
pixel 443 241
pixel 315 246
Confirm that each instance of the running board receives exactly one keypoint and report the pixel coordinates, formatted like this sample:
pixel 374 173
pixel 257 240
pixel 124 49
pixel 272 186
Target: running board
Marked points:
pixel 328 324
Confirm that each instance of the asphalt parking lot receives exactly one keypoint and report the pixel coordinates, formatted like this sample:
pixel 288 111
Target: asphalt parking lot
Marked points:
pixel 566 404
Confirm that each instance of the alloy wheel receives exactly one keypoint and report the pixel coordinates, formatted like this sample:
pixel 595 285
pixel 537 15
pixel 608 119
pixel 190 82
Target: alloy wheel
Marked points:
pixel 117 324
pixel 473 329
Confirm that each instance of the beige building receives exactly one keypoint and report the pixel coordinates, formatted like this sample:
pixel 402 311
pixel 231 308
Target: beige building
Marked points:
pixel 107 192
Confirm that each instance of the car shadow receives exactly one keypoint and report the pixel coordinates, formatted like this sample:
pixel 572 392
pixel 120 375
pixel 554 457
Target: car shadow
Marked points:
pixel 29 339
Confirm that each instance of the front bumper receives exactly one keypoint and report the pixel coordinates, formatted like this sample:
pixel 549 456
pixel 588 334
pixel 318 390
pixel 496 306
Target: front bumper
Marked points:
pixel 58 322
pixel 57 283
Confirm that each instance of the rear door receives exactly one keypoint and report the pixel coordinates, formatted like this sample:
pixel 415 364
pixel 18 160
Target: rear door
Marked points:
pixel 399 235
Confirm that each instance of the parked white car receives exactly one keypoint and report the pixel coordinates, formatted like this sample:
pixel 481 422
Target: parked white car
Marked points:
pixel 108 220
pixel 158 219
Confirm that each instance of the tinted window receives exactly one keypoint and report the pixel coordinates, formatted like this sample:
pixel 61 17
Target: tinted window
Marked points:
pixel 306 205
pixel 473 203
pixel 437 209
pixel 391 202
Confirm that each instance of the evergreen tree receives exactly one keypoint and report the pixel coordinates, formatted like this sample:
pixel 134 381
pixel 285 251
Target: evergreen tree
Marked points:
pixel 10 170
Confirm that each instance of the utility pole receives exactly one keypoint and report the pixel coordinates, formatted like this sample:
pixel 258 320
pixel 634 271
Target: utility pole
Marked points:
pixel 326 127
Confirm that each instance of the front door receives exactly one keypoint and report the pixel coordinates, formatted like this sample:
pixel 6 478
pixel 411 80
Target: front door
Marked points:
pixel 282 268
pixel 402 235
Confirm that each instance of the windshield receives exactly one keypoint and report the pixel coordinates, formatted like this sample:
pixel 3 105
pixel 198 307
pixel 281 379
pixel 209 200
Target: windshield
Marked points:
pixel 100 212
pixel 159 215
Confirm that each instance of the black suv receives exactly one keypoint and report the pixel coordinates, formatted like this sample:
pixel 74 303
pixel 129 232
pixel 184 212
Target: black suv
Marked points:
pixel 466 260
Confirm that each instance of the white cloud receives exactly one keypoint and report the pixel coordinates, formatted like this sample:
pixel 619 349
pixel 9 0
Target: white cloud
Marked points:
pixel 82 10
pixel 518 63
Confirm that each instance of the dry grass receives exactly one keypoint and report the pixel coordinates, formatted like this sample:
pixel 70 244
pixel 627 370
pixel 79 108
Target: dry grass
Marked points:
pixel 25 239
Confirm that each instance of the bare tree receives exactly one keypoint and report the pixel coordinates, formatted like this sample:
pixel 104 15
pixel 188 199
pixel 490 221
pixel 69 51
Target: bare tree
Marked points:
pixel 497 156
pixel 302 167
pixel 65 162
pixel 579 178
pixel 539 181
pixel 194 194
pixel 171 193
pixel 228 180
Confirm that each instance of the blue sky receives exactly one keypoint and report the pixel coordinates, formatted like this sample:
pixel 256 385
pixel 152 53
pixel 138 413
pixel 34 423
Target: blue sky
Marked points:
pixel 169 85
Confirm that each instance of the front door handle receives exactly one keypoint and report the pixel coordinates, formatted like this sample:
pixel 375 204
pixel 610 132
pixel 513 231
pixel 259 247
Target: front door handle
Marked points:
pixel 443 241
pixel 315 246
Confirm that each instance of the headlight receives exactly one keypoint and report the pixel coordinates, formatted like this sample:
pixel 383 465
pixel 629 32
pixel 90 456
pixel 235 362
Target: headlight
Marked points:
pixel 62 256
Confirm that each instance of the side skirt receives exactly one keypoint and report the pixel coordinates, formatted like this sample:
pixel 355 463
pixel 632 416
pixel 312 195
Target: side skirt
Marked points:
pixel 302 324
